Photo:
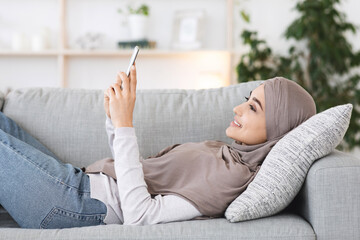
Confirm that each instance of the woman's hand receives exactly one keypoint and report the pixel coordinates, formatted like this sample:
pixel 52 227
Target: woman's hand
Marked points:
pixel 122 101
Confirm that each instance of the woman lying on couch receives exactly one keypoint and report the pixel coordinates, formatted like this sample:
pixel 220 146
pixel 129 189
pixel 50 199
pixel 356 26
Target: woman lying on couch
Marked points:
pixel 182 182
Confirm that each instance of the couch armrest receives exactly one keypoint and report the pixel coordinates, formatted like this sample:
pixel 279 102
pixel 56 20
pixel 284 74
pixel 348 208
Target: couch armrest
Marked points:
pixel 330 197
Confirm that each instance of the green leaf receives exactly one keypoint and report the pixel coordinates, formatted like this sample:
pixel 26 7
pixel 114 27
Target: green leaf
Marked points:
pixel 245 16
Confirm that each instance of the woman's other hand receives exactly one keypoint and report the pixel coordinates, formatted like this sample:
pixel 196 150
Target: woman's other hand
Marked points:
pixel 122 101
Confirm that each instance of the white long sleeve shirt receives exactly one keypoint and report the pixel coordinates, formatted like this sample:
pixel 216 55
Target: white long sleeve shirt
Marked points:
pixel 128 200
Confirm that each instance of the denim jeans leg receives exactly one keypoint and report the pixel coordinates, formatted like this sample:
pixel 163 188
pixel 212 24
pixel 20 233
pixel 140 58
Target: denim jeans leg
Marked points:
pixel 38 191
pixel 11 127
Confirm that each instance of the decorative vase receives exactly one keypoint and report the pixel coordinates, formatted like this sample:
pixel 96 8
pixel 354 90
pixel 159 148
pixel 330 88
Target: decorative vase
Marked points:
pixel 138 26
pixel 18 42
pixel 40 39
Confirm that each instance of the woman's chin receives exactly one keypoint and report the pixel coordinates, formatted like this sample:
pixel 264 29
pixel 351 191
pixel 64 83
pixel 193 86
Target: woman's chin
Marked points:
pixel 230 134
pixel 227 132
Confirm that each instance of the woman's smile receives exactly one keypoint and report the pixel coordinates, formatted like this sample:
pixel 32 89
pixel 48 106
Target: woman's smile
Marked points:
pixel 235 124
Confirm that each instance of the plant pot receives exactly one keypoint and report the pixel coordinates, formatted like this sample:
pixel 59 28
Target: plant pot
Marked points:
pixel 138 26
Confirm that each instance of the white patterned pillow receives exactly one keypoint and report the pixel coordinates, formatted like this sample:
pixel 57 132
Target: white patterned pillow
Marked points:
pixel 284 169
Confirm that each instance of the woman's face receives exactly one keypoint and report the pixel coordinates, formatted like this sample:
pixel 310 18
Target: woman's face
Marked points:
pixel 249 125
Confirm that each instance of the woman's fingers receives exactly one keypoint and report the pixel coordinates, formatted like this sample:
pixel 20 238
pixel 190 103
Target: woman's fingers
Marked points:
pixel 116 88
pixel 118 79
pixel 106 93
pixel 133 80
pixel 122 100
pixel 111 92
pixel 124 85
pixel 125 82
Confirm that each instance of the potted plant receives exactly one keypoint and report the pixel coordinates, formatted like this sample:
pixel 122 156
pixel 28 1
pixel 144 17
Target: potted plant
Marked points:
pixel 137 20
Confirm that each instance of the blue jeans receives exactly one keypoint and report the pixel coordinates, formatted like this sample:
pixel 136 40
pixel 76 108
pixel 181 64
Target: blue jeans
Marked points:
pixel 37 189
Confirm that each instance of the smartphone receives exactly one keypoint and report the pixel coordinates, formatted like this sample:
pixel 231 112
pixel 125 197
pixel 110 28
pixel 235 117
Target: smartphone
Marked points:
pixel 132 59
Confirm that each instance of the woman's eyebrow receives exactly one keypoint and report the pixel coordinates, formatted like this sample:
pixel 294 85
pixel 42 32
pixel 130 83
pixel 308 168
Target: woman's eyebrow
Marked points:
pixel 258 102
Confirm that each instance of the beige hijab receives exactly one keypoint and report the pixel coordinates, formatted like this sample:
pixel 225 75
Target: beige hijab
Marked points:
pixel 211 174
pixel 287 106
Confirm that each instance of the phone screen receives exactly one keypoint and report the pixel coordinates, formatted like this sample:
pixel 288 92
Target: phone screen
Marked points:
pixel 132 59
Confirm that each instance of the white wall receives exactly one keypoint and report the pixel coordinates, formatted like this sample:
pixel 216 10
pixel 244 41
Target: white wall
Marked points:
pixel 31 16
pixel 100 16
pixel 269 18
pixel 178 71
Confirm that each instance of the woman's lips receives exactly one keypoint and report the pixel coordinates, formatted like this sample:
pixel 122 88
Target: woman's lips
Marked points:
pixel 235 124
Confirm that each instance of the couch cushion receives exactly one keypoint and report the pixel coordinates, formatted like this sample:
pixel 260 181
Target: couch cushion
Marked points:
pixel 283 226
pixel 6 220
pixel 284 169
pixel 70 122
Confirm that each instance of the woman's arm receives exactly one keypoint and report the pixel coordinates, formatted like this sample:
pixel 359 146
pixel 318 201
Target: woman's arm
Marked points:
pixel 108 124
pixel 136 203
pixel 110 133
pixel 119 102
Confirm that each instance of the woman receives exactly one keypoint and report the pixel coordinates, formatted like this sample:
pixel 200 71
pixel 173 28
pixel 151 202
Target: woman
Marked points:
pixel 182 182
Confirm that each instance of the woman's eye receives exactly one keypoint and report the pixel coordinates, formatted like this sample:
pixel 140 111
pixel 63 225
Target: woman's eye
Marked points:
pixel 247 99
pixel 252 108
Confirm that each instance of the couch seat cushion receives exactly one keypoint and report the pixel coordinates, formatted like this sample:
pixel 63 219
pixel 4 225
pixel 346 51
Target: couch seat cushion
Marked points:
pixel 282 226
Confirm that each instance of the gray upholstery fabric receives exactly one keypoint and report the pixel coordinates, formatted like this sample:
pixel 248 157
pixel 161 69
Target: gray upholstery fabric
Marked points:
pixel 71 122
pixel 330 197
pixel 6 220
pixel 284 169
pixel 284 226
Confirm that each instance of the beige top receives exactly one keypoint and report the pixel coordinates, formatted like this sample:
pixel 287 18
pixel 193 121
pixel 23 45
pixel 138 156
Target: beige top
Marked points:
pixel 130 202
pixel 188 170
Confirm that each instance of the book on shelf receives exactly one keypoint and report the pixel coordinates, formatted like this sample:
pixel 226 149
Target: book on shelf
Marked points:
pixel 141 43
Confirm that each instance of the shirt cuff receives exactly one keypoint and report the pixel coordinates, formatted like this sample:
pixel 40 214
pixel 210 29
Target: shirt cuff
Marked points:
pixel 124 132
pixel 107 118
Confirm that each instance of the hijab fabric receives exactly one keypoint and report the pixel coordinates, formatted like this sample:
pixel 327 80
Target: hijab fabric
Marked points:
pixel 211 174
pixel 287 106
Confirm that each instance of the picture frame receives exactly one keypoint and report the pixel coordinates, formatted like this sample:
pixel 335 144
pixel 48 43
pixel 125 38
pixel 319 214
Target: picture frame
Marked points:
pixel 188 29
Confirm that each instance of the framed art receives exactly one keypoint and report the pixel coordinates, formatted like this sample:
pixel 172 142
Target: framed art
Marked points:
pixel 188 29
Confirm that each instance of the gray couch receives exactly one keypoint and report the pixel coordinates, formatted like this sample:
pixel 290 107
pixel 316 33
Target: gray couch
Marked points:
pixel 71 123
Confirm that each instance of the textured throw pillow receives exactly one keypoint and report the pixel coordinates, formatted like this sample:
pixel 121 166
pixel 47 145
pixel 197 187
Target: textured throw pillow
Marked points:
pixel 284 169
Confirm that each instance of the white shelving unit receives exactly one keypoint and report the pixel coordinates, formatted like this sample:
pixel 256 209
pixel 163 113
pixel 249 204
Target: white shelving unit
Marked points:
pixel 64 54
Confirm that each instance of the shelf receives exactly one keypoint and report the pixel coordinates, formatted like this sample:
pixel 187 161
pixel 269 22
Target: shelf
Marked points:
pixel 65 57
pixel 107 53
pixel 9 53
pixel 143 52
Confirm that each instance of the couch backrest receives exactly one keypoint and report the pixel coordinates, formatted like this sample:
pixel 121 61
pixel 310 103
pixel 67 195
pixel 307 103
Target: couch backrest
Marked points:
pixel 71 122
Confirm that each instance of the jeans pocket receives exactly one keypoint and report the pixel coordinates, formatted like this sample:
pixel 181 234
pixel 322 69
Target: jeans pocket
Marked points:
pixel 61 218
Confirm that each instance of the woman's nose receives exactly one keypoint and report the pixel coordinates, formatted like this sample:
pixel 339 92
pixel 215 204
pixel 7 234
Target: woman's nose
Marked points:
pixel 237 110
